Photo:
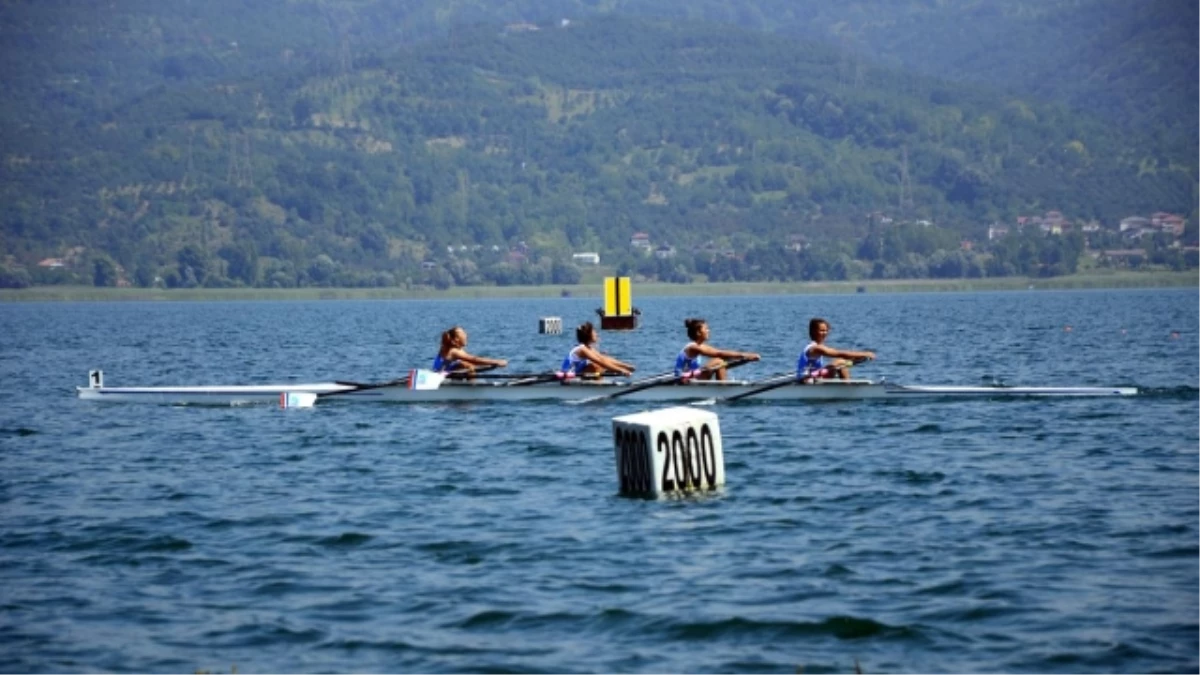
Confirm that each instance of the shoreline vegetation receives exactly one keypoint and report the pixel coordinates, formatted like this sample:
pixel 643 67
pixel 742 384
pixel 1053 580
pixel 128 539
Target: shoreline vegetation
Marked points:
pixel 1188 278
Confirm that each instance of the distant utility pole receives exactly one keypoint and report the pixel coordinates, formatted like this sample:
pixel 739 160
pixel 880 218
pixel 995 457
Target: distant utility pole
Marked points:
pixel 240 173
pixel 189 166
pixel 464 194
pixel 337 26
pixel 906 198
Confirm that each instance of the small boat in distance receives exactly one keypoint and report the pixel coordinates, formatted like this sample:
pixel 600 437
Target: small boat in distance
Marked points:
pixel 404 391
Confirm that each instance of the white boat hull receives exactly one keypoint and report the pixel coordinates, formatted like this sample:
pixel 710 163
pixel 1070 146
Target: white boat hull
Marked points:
pixel 490 391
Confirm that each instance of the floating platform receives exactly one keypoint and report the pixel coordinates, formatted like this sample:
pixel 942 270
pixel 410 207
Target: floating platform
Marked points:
pixel 618 312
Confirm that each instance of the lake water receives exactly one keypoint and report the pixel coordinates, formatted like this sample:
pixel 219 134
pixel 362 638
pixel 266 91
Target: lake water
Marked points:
pixel 935 536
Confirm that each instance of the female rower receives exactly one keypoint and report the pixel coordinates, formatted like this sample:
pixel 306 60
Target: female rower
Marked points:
pixel 689 357
pixel 584 359
pixel 452 356
pixel 811 366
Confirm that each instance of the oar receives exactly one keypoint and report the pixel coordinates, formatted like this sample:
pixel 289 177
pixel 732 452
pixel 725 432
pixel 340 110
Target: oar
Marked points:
pixel 306 399
pixel 465 375
pixel 541 378
pixel 494 376
pixel 533 379
pixel 523 376
pixel 655 381
pixel 767 385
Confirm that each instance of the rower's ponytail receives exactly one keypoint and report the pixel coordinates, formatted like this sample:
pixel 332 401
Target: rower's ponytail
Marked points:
pixel 585 332
pixel 448 339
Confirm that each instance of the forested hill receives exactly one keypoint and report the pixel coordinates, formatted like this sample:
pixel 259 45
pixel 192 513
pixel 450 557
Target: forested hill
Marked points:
pixel 1134 63
pixel 319 164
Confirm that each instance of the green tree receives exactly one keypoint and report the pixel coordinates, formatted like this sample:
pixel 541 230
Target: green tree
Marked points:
pixel 193 265
pixel 14 277
pixel 565 273
pixel 104 271
pixel 241 261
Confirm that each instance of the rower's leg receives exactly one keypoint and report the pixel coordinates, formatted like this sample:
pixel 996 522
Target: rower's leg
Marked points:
pixel 841 367
pixel 592 371
pixel 715 367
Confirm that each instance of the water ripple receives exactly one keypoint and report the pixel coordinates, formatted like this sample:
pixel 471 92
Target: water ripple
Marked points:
pixel 956 536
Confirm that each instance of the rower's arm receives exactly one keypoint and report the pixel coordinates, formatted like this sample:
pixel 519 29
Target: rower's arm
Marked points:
pixel 825 350
pixel 710 351
pixel 605 362
pixel 478 360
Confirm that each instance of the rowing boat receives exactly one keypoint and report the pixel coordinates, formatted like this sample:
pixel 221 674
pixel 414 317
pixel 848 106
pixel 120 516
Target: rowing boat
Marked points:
pixel 575 390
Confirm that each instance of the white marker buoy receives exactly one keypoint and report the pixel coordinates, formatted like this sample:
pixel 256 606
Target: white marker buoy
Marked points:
pixel 673 450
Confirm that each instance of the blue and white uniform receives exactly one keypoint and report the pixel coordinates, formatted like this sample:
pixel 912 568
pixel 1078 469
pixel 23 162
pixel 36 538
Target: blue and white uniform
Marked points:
pixel 441 365
pixel 574 364
pixel 808 365
pixel 683 364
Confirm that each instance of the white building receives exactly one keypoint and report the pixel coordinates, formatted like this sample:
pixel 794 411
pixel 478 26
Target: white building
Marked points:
pixel 586 258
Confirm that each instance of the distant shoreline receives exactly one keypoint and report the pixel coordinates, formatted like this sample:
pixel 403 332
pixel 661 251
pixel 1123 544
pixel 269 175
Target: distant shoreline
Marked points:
pixel 1189 278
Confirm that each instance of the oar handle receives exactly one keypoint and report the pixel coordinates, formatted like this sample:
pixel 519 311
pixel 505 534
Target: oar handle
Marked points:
pixel 464 374
pixel 525 376
pixel 708 369
pixel 659 380
pixel 767 385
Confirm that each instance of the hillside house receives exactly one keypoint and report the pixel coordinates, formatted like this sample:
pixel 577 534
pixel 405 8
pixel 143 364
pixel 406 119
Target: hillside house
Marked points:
pixel 1134 223
pixel 878 218
pixel 997 232
pixel 1054 223
pixel 588 258
pixel 1173 224
pixel 664 252
pixel 640 240
pixel 1122 257
pixel 1167 223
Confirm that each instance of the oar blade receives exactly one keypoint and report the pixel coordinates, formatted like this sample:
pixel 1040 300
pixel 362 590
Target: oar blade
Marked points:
pixel 297 399
pixel 585 401
pixel 424 380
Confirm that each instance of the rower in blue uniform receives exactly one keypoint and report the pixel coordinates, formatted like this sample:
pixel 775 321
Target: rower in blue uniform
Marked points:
pixel 452 356
pixel 811 365
pixel 688 360
pixel 586 360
